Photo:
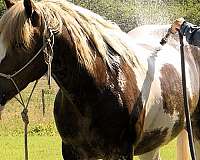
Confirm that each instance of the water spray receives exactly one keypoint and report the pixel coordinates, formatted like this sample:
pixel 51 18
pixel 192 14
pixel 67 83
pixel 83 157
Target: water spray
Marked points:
pixel 185 97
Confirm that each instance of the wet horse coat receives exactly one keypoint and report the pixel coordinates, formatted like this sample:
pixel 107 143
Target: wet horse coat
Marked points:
pixel 169 75
pixel 115 90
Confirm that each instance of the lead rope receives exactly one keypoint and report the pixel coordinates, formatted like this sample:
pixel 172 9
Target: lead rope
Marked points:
pixel 24 115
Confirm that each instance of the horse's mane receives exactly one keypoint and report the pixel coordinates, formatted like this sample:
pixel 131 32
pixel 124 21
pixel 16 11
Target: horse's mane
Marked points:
pixel 91 34
pixel 14 27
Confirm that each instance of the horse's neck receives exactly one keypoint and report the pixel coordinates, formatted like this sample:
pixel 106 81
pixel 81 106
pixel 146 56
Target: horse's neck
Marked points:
pixel 68 72
pixel 63 60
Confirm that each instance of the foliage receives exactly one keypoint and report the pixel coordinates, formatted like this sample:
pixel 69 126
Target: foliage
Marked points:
pixel 116 10
pixel 128 13
pixel 192 11
pixel 2 7
pixel 43 130
pixel 41 125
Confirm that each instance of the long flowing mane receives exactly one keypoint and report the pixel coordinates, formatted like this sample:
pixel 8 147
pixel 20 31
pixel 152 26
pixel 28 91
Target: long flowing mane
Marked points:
pixel 91 34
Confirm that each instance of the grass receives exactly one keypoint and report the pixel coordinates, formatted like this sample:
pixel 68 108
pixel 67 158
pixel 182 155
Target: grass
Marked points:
pixel 49 148
pixel 40 148
pixel 11 123
pixel 44 141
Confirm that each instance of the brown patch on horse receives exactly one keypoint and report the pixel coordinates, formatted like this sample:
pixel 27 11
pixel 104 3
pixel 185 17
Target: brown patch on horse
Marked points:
pixel 133 100
pixel 171 86
pixel 123 85
pixel 131 92
pixel 150 141
pixel 105 98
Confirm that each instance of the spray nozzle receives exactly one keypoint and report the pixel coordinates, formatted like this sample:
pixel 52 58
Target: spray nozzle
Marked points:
pixel 165 38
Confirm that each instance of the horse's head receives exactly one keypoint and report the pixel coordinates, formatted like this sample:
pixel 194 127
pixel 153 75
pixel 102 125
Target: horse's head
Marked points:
pixel 21 37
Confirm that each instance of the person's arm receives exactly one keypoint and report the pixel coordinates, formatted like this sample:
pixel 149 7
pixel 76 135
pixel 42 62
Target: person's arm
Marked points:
pixel 191 32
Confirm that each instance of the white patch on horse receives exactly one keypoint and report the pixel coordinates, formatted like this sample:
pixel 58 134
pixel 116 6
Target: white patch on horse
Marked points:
pixel 148 81
pixel 145 44
pixel 156 116
pixel 188 80
pixel 3 49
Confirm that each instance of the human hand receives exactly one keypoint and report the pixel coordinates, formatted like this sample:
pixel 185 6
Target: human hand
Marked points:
pixel 177 25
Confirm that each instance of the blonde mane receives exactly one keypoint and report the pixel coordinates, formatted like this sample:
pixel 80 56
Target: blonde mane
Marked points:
pixel 91 34
pixel 14 27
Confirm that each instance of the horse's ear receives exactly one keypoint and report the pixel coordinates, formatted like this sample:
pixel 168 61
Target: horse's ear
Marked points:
pixel 9 3
pixel 31 12
pixel 29 7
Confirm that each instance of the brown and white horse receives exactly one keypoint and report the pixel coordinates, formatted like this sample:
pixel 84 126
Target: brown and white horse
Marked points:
pixel 116 91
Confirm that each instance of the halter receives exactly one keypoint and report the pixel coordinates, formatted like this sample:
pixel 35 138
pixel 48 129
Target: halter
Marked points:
pixel 47 48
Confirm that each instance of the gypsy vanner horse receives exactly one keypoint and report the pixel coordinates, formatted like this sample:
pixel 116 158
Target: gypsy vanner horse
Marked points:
pixel 116 91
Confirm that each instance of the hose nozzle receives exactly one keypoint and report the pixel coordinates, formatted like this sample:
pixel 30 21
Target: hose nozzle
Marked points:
pixel 166 37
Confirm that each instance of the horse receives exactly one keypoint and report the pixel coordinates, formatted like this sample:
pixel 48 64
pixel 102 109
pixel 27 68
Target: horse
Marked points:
pixel 118 94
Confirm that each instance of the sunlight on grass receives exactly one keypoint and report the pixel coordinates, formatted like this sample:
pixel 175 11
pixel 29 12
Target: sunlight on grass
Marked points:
pixel 49 148
pixel 40 148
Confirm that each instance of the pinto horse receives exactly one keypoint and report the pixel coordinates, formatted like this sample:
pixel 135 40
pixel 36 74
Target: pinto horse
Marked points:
pixel 116 90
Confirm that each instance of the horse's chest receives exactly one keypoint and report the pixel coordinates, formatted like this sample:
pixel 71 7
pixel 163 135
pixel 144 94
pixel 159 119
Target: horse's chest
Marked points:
pixel 99 126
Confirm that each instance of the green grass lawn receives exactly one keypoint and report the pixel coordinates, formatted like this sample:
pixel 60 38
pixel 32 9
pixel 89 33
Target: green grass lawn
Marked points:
pixel 40 148
pixel 49 148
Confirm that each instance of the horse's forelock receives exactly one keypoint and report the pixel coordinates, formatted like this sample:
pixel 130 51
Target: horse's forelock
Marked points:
pixel 15 28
